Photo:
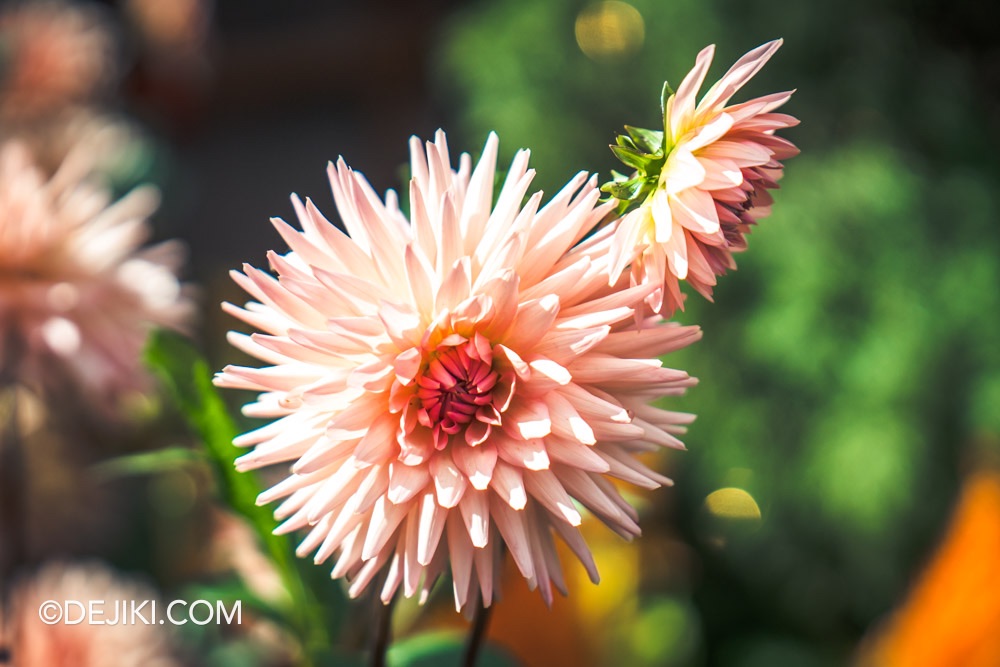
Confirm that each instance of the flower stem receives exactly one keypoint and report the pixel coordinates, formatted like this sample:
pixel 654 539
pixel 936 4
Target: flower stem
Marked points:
pixel 480 623
pixel 383 631
pixel 12 506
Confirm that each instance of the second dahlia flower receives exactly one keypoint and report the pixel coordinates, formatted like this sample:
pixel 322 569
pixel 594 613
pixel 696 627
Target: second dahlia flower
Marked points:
pixel 451 383
pixel 704 180
pixel 77 294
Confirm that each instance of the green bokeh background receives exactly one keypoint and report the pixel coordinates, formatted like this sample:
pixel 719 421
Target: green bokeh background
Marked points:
pixel 850 372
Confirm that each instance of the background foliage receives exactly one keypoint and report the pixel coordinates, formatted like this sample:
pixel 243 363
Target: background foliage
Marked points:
pixel 850 370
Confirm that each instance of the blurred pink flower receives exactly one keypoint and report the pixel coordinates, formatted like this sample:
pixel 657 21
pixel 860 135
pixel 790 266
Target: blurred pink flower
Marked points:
pixel 455 382
pixel 55 54
pixel 33 643
pixel 720 163
pixel 77 297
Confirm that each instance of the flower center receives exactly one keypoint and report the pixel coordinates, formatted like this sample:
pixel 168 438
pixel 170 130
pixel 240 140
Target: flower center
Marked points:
pixel 458 381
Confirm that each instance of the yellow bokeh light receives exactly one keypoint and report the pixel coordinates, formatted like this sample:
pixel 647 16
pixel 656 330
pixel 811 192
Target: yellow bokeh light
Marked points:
pixel 732 503
pixel 610 30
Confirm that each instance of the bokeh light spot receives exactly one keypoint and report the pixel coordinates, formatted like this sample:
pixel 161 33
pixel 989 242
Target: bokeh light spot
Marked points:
pixel 610 31
pixel 732 503
pixel 665 632
pixel 61 335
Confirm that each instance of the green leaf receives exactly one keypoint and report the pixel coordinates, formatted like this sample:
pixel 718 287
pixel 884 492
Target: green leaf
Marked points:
pixel 187 377
pixel 148 463
pixel 443 649
pixel 337 657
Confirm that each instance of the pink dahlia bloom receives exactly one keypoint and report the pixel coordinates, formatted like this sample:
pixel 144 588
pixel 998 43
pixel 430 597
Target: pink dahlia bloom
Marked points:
pixel 77 296
pixel 122 641
pixel 720 163
pixel 452 383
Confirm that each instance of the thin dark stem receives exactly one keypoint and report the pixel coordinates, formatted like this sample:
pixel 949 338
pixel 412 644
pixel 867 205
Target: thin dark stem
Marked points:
pixel 383 631
pixel 12 506
pixel 480 623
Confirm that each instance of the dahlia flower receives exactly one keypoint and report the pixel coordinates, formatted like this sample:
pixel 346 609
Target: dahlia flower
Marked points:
pixel 119 642
pixel 712 171
pixel 451 383
pixel 77 297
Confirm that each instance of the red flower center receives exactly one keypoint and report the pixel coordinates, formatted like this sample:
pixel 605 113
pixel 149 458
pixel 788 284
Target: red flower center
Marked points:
pixel 458 381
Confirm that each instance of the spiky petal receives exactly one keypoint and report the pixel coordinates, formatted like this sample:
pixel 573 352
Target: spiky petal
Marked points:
pixel 721 160
pixel 453 382
pixel 78 295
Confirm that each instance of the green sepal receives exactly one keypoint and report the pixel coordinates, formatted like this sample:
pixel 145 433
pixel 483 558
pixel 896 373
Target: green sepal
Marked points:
pixel 624 190
pixel 665 95
pixel 632 158
pixel 617 178
pixel 648 141
pixel 625 142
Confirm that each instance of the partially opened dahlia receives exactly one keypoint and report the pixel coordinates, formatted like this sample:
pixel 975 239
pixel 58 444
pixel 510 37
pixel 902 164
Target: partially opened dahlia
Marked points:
pixel 77 294
pixel 710 175
pixel 453 383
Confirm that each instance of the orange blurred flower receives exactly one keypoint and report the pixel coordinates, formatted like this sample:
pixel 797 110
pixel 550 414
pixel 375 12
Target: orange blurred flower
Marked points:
pixel 952 616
